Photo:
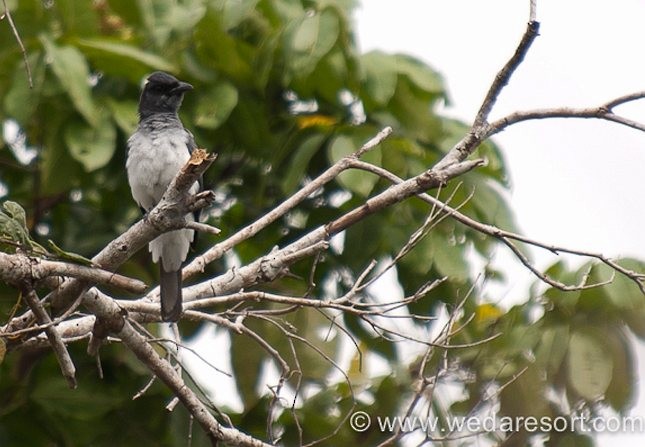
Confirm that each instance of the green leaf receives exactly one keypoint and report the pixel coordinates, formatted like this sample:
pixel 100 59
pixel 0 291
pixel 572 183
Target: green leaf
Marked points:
pixel 59 170
pixel 16 212
pixel 551 352
pixel 21 101
pixel 313 326
pixel 622 390
pixel 309 39
pixel 420 74
pixel 93 147
pixel 215 105
pixel 590 363
pixel 78 18
pixel 54 397
pixel 238 11
pixel 524 394
pixel 300 161
pixel 359 182
pixel 380 77
pixel 635 319
pixel 120 59
pixel 490 202
pixel 449 256
pixel 413 111
pixel 13 224
pixel 622 291
pixel 124 114
pixel 247 358
pixel 71 69
pixel 219 50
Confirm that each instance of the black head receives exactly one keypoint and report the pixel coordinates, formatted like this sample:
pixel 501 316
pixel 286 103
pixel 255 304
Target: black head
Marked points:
pixel 162 93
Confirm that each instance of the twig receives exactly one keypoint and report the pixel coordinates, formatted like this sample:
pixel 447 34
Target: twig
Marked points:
pixel 7 14
pixel 603 112
pixel 533 11
pixel 507 236
pixel 60 350
pixel 204 228
pixel 504 75
pixel 145 388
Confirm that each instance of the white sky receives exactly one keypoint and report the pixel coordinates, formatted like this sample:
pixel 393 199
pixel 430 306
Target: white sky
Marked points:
pixel 575 183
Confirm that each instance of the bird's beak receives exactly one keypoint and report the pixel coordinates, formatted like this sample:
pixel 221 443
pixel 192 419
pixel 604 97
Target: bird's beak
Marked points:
pixel 182 87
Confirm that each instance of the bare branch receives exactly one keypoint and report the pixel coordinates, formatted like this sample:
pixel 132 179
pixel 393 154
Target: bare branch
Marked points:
pixel 15 268
pixel 215 252
pixel 504 75
pixel 479 131
pixel 60 350
pixel 603 112
pixel 507 237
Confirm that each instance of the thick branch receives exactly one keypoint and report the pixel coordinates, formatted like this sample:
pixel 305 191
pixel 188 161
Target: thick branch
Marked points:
pixel 17 268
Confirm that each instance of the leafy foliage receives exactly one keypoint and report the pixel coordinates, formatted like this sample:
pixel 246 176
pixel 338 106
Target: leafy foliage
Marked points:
pixel 281 92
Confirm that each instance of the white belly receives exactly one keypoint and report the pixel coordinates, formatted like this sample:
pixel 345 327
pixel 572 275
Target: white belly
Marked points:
pixel 151 165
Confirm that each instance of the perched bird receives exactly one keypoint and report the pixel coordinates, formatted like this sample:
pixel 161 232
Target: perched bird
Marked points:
pixel 156 152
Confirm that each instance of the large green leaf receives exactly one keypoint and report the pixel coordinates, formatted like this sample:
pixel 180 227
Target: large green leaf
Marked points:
pixel 622 291
pixel 119 59
pixel 449 256
pixel 94 146
pixel 420 74
pixel 380 77
pixel 71 69
pixel 309 39
pixel 217 49
pixel 124 114
pixel 622 390
pixel 55 397
pixel 13 225
pixel 551 351
pixel 78 18
pixel 247 358
pixel 21 101
pixel 590 363
pixel 215 105
pixel 300 160
pixel 359 182
pixel 238 11
pixel 413 112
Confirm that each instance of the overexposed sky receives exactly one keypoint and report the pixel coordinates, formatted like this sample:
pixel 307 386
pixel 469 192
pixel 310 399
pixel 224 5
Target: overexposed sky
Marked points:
pixel 575 183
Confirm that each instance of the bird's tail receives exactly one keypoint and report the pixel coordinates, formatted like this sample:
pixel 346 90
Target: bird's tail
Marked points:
pixel 170 290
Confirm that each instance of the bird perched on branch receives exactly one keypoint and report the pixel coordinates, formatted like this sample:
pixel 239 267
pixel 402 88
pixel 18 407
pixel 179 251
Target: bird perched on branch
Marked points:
pixel 156 152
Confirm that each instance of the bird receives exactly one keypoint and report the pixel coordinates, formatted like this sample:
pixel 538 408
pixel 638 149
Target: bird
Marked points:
pixel 157 150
